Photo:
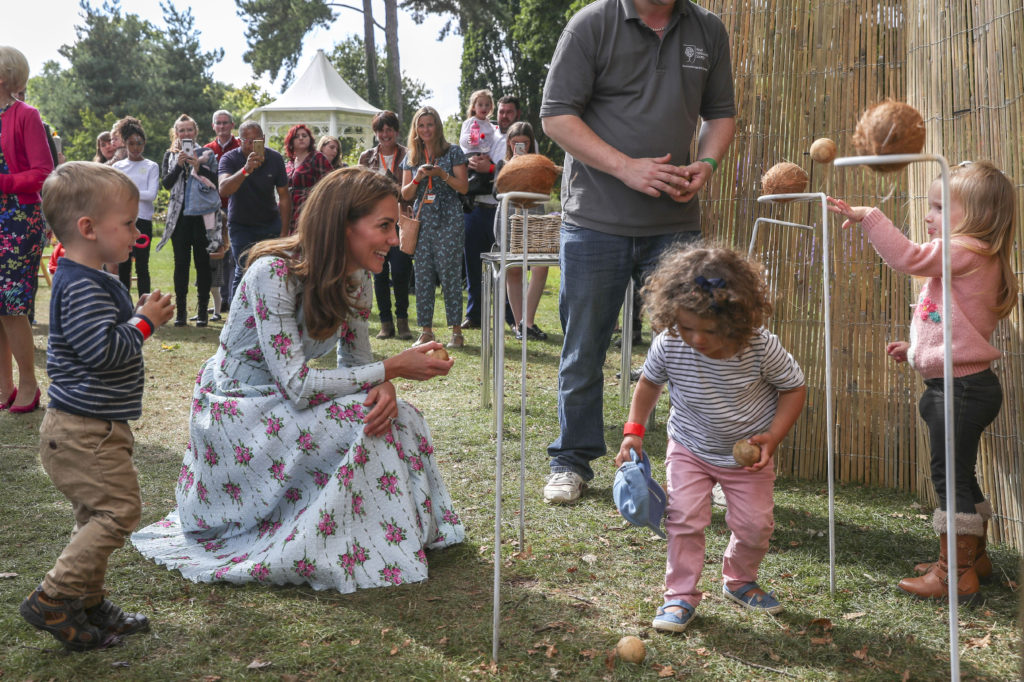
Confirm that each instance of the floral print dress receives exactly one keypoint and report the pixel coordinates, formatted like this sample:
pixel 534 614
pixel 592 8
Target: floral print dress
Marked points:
pixel 279 484
pixel 21 247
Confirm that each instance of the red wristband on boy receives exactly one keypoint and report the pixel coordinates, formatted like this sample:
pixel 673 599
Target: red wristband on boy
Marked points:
pixel 633 429
pixel 143 325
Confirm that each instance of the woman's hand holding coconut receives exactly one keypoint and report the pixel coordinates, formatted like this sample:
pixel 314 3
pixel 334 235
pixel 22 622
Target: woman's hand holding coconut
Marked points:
pixel 417 363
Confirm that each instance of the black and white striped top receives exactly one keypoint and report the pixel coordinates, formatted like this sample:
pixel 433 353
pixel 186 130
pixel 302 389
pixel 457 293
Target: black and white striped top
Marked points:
pixel 718 402
pixel 94 356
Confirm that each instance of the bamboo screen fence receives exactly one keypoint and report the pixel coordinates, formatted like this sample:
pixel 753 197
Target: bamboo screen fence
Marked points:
pixel 806 69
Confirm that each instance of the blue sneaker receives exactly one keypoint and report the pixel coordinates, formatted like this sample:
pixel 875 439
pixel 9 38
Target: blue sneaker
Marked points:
pixel 753 597
pixel 673 621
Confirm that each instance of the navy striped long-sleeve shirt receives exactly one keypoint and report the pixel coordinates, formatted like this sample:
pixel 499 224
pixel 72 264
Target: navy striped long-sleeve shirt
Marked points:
pixel 94 357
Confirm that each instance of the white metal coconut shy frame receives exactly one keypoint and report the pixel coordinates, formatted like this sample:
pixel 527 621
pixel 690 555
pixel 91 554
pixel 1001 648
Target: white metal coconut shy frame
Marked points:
pixel 826 297
pixel 947 378
pixel 495 322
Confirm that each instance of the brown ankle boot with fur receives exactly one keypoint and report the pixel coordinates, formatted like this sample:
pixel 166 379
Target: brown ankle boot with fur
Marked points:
pixel 983 564
pixel 935 583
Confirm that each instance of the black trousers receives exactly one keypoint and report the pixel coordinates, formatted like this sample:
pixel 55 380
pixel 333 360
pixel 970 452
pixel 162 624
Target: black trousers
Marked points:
pixel 397 269
pixel 189 242
pixel 141 258
pixel 976 402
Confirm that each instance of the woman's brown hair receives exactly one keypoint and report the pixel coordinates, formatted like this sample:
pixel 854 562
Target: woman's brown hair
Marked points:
pixel 417 154
pixel 316 252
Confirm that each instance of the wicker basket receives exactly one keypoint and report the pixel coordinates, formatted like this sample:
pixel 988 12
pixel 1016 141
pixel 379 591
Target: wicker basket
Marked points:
pixel 543 233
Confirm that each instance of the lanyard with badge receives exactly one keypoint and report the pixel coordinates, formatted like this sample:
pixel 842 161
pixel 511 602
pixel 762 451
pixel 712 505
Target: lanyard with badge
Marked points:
pixel 430 195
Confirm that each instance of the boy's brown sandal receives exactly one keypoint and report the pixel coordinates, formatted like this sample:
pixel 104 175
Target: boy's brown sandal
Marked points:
pixel 108 617
pixel 65 619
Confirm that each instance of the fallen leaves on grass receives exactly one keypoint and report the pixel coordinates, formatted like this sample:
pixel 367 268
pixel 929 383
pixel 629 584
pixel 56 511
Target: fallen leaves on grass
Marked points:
pixel 8 575
pixel 854 616
pixel 258 664
pixel 524 555
pixel 664 670
pixel 978 642
pixel 556 625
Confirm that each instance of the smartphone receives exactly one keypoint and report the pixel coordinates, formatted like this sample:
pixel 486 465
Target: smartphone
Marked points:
pixel 519 148
pixel 427 167
pixel 189 146
pixel 257 146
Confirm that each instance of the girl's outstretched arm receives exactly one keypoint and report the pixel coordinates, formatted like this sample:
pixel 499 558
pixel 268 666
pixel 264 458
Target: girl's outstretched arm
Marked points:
pixel 645 397
pixel 853 214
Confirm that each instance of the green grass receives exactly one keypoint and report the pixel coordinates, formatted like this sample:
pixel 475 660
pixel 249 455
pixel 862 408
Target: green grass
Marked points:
pixel 582 582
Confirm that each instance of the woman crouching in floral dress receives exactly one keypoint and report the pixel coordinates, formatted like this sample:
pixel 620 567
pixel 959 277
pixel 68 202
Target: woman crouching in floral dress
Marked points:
pixel 302 475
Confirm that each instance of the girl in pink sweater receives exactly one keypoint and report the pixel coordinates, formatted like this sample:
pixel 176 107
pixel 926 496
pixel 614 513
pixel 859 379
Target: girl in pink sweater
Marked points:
pixel 981 210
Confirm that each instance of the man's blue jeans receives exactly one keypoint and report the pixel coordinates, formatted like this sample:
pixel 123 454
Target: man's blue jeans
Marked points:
pixel 596 269
pixel 244 236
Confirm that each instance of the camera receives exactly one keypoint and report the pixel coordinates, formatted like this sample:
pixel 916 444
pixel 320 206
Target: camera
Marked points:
pixel 188 146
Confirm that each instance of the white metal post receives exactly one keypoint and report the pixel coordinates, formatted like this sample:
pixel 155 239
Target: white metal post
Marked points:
pixel 947 379
pixel 826 290
pixel 498 314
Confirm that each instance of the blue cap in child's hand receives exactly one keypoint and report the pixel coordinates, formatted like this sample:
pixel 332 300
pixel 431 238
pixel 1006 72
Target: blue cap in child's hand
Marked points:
pixel 640 499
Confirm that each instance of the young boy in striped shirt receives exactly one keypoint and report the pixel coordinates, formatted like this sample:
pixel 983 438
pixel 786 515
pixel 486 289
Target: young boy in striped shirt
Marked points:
pixel 94 360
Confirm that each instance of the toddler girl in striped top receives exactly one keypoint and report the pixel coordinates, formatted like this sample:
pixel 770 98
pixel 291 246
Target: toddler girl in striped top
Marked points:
pixel 729 380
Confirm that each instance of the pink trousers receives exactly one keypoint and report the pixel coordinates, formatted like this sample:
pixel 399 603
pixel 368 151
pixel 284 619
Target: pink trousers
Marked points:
pixel 749 517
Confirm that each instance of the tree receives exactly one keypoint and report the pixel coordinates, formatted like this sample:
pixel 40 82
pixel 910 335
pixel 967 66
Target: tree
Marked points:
pixel 347 58
pixel 278 28
pixel 506 46
pixel 121 64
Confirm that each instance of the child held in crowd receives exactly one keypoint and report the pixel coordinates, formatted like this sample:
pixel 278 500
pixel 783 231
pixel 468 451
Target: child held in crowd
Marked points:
pixel 146 176
pixel 477 134
pixel 981 207
pixel 729 380
pixel 94 359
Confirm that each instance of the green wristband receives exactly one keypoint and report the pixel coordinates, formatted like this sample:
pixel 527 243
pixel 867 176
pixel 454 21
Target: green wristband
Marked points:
pixel 714 164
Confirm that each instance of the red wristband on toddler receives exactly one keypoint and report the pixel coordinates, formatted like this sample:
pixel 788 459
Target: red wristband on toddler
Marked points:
pixel 143 325
pixel 633 429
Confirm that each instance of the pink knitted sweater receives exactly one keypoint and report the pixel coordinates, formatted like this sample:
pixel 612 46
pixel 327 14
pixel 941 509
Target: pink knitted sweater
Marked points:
pixel 976 279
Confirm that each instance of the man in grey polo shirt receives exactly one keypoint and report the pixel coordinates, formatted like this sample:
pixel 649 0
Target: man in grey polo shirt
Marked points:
pixel 628 81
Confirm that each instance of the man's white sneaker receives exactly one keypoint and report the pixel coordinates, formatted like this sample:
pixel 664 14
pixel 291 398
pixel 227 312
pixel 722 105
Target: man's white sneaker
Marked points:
pixel 563 488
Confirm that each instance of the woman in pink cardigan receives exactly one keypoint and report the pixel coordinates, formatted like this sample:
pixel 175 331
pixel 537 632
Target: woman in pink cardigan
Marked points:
pixel 25 162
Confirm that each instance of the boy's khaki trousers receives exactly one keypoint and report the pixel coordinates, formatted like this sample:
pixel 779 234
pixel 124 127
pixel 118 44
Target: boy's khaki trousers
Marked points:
pixel 90 461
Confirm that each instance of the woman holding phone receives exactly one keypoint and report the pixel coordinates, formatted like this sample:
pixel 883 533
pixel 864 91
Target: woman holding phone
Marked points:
pixel 184 164
pixel 434 174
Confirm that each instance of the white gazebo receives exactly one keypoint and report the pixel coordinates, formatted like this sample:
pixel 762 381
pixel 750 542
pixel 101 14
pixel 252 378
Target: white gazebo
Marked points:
pixel 322 100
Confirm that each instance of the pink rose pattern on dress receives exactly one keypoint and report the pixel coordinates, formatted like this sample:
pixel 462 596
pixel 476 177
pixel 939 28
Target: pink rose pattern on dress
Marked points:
pixel 259 457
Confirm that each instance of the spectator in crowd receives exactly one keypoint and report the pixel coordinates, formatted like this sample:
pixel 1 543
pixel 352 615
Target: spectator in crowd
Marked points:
pixel 433 177
pixel 25 162
pixel 305 166
pixel 519 140
pixel 387 158
pixel 184 166
pixel 628 182
pixel 146 176
pixel 482 153
pixel 250 176
pixel 330 147
pixel 222 269
pixel 117 139
pixel 104 148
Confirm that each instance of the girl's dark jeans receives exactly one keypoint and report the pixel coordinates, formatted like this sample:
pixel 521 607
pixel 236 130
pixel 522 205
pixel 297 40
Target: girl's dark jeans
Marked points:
pixel 976 402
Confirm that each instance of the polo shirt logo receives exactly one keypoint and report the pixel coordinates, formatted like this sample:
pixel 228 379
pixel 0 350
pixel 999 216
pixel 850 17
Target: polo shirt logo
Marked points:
pixel 694 57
